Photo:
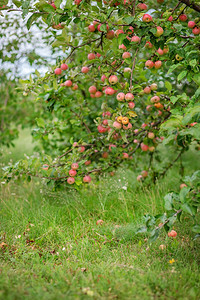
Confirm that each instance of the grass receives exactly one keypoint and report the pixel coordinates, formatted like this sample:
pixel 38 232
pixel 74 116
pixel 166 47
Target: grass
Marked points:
pixel 54 249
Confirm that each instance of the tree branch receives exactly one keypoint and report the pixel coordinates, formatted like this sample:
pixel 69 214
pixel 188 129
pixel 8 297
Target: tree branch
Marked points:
pixel 191 4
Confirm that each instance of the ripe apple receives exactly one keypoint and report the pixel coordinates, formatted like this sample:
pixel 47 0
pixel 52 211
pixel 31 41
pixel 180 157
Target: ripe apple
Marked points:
pixel 155 99
pixel 147 90
pixel 81 149
pixel 91 56
pixel 92 89
pixel 183 17
pixel 109 91
pixel 160 51
pixel 147 18
pixel 117 125
pixel 119 31
pixel 139 177
pixel 87 179
pixel 129 126
pixel 99 222
pixel 196 30
pixel 125 155
pixel 135 39
pixel 85 70
pixel 105 154
pixel 131 105
pixel 127 70
pixel 191 24
pixel 158 64
pixel 151 148
pixel 120 96
pixel 111 146
pixel 183 185
pixel 170 19
pixel 149 108
pixel 99 27
pixel 165 50
pixel 125 120
pixel 72 172
pixel 53 5
pixel 103 78
pixel 144 125
pixel 70 180
pixel 159 31
pixel 74 166
pixel 122 47
pixel 172 233
pixel 144 147
pixel 68 83
pixel 87 163
pixel 159 105
pixel 126 55
pixel 105 122
pixel 149 64
pixel 91 28
pixel 148 45
pixel 75 87
pixel 129 96
pixel 101 129
pixel 110 34
pixel 98 94
pixel 113 79
pixel 142 6
pixel 144 173
pixel 107 113
pixel 64 67
pixel 58 71
pixel 162 247
pixel 77 2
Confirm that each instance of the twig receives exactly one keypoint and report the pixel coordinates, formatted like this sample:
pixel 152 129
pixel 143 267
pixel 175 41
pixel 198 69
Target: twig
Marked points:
pixel 191 4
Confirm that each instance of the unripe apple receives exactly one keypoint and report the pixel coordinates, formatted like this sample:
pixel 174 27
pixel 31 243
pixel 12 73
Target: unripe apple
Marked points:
pixel 85 70
pixel 127 70
pixel 155 99
pixel 105 154
pixel 113 79
pixel 72 173
pixel 151 135
pixel 110 34
pixel 191 24
pixel 103 78
pixel 109 91
pixel 144 147
pixel 58 71
pixel 158 64
pixel 125 155
pixel 135 39
pixel 91 56
pixel 75 87
pixel 149 64
pixel 159 31
pixel 147 90
pixel 91 28
pixel 120 96
pixel 129 96
pixel 172 233
pixel 142 6
pixel 64 67
pixel 160 51
pixel 147 18
pixel 183 17
pixel 68 83
pixel 149 108
pixel 131 105
pixel 196 30
pixel 126 55
pixel 74 166
pixel 122 47
pixel 183 185
pixel 151 148
pixel 148 45
pixel 87 179
pixel 92 89
pixel 117 125
pixel 98 94
pixel 144 173
pixel 70 180
pixel 153 86
pixel 165 50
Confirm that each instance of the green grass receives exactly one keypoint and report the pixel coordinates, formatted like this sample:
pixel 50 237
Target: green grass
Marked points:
pixel 55 250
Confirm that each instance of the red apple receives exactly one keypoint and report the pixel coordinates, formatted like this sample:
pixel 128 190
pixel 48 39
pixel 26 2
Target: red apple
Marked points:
pixel 131 105
pixel 92 89
pixel 126 55
pixel 183 17
pixel 158 64
pixel 72 172
pixel 109 91
pixel 135 39
pixel 122 47
pixel 129 96
pixel 142 6
pixel 64 67
pixel 120 96
pixel 68 83
pixel 70 180
pixel 149 64
pixel 91 28
pixel 160 51
pixel 117 125
pixel 148 45
pixel 91 56
pixel 196 30
pixel 74 166
pixel 159 31
pixel 110 34
pixel 191 24
pixel 113 79
pixel 172 233
pixel 98 94
pixel 58 71
pixel 85 70
pixel 147 18
pixel 144 147
pixel 147 90
pixel 87 179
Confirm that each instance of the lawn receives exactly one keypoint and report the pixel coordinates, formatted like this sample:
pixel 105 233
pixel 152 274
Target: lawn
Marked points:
pixel 51 247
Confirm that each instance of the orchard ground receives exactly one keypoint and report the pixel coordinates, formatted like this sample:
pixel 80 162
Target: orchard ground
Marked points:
pixel 51 247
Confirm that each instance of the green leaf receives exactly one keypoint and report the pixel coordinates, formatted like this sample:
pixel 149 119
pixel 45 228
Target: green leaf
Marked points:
pixel 183 193
pixel 32 18
pixel 193 62
pixel 188 209
pixel 17 3
pixel 168 85
pixel 40 122
pixel 48 8
pixel 172 68
pixel 154 236
pixel 196 228
pixel 124 138
pixel 169 201
pixel 181 75
pixel 173 99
